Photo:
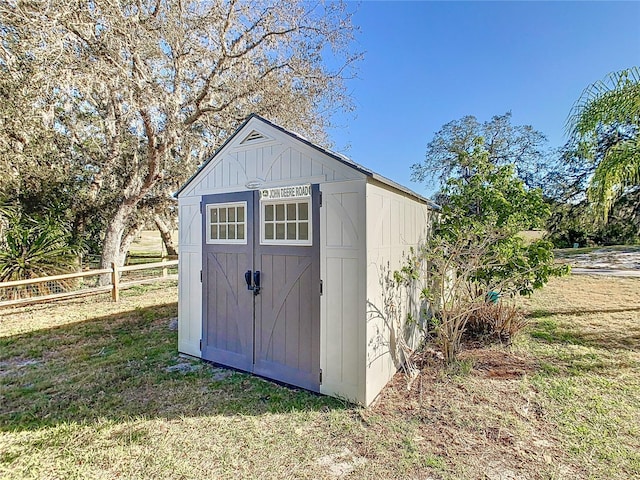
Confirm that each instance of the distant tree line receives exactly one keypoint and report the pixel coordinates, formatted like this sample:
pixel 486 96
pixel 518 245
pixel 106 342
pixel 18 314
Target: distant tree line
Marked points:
pixel 591 185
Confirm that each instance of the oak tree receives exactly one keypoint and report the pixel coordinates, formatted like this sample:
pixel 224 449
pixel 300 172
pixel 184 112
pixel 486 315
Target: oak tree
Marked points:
pixel 450 153
pixel 144 90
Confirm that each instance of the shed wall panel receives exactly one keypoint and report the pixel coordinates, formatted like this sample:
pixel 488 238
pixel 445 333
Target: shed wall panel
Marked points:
pixel 395 223
pixel 189 286
pixel 342 257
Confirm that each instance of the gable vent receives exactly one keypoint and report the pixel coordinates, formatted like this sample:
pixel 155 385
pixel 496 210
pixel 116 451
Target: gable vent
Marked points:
pixel 254 136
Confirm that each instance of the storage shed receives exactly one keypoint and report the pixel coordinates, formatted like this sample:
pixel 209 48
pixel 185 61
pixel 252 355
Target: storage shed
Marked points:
pixel 284 251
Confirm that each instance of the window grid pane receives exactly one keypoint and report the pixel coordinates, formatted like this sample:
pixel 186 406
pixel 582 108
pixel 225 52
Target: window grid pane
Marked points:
pixel 291 231
pixel 227 223
pixel 286 222
pixel 291 211
pixel 303 231
pixel 303 211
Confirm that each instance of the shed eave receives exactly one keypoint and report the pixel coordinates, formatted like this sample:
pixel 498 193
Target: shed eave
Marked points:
pixel 396 186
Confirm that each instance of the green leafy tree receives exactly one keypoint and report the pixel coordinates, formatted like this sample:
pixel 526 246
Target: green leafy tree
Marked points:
pixel 475 252
pixel 451 151
pixel 495 203
pixel 605 125
pixel 573 223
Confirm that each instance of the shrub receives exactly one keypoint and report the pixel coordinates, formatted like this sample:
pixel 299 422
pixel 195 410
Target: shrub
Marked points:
pixel 34 247
pixel 495 321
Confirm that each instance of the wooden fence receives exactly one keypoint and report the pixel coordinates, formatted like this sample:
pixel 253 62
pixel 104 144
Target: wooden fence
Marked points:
pixel 71 285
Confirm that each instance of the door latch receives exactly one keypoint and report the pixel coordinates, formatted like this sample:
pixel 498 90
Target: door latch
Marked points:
pixel 255 286
pixel 256 282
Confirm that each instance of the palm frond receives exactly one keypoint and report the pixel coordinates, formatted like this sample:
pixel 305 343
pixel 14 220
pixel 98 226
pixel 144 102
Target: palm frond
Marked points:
pixel 35 247
pixel 616 99
pixel 619 169
pixel 613 102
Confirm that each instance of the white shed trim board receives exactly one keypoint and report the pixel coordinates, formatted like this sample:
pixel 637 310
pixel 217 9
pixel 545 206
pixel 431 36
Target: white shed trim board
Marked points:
pixel 367 224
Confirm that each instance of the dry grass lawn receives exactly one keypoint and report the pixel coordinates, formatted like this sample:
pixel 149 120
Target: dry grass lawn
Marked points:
pixel 150 242
pixel 84 393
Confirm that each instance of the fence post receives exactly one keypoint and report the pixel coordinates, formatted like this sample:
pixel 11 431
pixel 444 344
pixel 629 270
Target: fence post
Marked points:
pixel 115 282
pixel 165 271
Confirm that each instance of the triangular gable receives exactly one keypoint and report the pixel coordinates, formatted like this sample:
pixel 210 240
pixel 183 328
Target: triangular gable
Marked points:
pixel 251 134
pixel 257 135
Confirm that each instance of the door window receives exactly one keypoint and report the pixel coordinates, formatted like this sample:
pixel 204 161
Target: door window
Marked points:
pixel 226 223
pixel 286 222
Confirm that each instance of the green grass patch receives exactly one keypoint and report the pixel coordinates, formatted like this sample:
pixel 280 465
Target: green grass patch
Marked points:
pixel 114 368
pixel 550 331
pixel 589 380
pixel 85 393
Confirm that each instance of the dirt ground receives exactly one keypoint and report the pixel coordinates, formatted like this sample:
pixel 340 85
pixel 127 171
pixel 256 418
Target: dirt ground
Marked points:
pixel 536 410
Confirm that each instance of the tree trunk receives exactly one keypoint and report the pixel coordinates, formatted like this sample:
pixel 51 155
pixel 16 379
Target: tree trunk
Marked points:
pixel 112 245
pixel 132 233
pixel 165 233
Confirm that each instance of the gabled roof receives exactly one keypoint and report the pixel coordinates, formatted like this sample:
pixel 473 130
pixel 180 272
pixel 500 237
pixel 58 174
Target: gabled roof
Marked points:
pixel 336 156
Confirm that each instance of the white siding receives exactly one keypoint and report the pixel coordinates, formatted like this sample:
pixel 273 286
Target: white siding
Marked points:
pixel 278 161
pixel 342 260
pixel 189 286
pixel 395 222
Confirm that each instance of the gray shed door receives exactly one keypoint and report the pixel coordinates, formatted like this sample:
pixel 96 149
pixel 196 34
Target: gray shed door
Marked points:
pixel 274 331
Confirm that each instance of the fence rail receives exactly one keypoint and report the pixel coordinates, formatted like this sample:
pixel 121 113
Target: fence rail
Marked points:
pixel 72 285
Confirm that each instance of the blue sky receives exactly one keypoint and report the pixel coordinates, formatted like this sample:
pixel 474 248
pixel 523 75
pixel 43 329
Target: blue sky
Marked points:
pixel 427 63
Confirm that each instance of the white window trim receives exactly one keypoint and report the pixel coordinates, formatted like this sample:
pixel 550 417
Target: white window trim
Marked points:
pixel 216 241
pixel 285 242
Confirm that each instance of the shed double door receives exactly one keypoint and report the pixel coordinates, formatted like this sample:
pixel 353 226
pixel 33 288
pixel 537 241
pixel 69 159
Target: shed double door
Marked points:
pixel 261 298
